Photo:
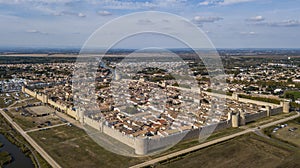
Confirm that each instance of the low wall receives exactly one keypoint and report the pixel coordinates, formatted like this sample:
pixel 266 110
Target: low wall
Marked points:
pixel 261 103
pixel 218 95
pixel 198 91
pixel 243 100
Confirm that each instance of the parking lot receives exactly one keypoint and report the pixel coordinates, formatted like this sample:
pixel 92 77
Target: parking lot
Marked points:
pixel 34 117
pixel 15 99
pixel 289 132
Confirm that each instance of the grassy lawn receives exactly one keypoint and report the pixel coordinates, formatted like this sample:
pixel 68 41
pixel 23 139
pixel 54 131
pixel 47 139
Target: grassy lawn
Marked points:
pixel 294 95
pixel 82 151
pixel 193 142
pixel 248 150
pixel 71 147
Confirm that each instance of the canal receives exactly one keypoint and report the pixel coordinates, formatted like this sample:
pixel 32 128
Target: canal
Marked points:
pixel 19 158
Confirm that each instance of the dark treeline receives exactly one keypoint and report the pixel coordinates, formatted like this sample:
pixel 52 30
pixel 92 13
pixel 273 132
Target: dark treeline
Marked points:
pixel 35 60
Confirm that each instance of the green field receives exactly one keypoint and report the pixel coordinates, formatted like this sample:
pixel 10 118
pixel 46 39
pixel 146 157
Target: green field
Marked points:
pixel 248 150
pixel 82 151
pixel 72 147
pixel 294 95
pixel 193 142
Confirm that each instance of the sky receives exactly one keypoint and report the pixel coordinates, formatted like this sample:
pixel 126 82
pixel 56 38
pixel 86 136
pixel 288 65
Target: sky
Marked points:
pixel 227 23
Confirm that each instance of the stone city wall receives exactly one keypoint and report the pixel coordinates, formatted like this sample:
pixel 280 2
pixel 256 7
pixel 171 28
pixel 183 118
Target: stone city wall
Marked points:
pixel 207 129
pixel 255 116
pixel 92 123
pixel 276 111
pixel 39 96
pixel 130 141
pixel 56 105
pixel 42 97
pixel 156 143
pixel 29 92
pixel 72 113
pixel 144 145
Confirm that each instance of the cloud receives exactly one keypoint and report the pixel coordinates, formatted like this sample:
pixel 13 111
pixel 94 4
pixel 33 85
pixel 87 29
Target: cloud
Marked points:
pixel 34 31
pixel 64 13
pixel 284 23
pixel 124 5
pixel 229 2
pixel 209 19
pixel 251 33
pixel 52 6
pixel 255 19
pixel 134 5
pixel 145 22
pixel 222 2
pixel 104 13
pixel 15 2
pixel 81 15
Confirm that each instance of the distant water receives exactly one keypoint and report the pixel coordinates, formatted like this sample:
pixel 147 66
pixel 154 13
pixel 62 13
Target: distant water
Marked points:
pixel 19 158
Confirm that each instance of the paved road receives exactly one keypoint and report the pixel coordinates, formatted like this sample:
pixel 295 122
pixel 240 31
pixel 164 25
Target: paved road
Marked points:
pixel 41 151
pixel 172 155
